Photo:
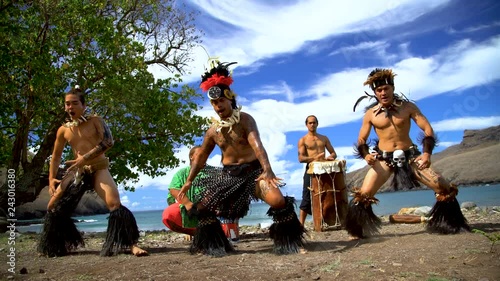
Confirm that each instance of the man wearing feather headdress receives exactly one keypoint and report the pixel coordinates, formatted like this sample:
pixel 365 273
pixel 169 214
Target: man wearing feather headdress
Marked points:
pixel 246 175
pixel 394 153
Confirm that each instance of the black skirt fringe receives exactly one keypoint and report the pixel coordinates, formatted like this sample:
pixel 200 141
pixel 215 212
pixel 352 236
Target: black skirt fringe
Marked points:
pixel 122 231
pixel 404 178
pixel 210 238
pixel 59 234
pixel 361 222
pixel 286 231
pixel 447 218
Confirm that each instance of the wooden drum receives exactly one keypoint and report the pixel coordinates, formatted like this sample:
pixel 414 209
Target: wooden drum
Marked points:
pixel 328 194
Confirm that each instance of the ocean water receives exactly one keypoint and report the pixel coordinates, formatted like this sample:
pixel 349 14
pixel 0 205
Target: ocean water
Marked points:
pixel 389 203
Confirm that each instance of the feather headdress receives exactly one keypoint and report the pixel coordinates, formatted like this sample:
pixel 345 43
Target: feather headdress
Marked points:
pixel 379 77
pixel 218 74
pixel 217 79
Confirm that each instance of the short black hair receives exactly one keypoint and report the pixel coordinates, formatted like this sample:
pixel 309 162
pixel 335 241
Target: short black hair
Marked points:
pixel 192 150
pixel 77 92
pixel 311 116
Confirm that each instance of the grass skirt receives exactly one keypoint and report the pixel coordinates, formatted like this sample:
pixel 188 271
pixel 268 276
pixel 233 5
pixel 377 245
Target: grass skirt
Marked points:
pixel 59 234
pixel 361 222
pixel 122 231
pixel 286 231
pixel 210 238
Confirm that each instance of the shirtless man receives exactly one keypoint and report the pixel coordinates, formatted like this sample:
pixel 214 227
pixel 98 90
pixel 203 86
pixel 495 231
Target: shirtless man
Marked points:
pixel 246 174
pixel 395 152
pixel 311 149
pixel 89 138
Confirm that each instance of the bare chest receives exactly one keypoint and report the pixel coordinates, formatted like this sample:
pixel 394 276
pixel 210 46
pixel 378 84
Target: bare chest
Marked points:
pixel 314 142
pixel 83 133
pixel 395 119
pixel 237 137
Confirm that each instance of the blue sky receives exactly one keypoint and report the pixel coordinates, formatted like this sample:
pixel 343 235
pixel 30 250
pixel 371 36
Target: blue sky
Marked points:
pixel 297 58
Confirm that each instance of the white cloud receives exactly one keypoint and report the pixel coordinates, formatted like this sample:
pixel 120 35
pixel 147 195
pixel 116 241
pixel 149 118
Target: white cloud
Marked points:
pixel 124 200
pixel 362 46
pixel 333 107
pixel 258 30
pixel 264 30
pixel 367 50
pixel 445 144
pixel 469 123
pixel 279 89
pixel 472 29
pixel 255 32
pixel 162 182
pixel 344 152
pixel 450 69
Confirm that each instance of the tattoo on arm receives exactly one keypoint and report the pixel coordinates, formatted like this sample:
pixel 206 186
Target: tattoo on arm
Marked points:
pixel 105 144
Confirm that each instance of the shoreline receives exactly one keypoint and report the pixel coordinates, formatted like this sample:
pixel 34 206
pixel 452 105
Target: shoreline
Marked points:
pixel 472 185
pixel 35 220
pixel 244 229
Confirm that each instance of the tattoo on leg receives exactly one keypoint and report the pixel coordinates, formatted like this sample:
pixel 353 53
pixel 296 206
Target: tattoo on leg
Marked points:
pixel 434 176
pixel 264 188
pixel 429 177
pixel 423 177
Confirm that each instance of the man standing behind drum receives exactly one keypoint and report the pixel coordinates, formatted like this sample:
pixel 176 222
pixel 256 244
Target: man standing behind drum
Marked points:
pixel 312 148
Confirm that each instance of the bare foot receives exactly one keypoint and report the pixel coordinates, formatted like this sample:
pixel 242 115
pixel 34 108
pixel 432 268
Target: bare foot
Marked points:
pixel 354 238
pixel 302 251
pixel 138 252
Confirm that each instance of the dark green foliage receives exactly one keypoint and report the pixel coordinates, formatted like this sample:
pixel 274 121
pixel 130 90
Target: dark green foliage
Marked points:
pixel 106 47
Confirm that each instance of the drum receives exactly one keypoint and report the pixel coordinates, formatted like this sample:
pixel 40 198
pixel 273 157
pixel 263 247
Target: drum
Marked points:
pixel 328 194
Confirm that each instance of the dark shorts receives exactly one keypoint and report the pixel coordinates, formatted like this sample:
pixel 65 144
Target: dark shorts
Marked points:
pixel 305 204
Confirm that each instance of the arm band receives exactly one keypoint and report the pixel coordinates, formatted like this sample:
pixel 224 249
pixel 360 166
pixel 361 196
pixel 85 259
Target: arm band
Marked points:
pixel 429 142
pixel 100 148
pixel 361 151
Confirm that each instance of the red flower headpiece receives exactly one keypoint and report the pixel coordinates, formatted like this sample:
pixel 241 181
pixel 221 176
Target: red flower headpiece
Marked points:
pixel 216 79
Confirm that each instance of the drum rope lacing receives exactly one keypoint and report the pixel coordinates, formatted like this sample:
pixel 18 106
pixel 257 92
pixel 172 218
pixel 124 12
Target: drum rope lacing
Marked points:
pixel 332 178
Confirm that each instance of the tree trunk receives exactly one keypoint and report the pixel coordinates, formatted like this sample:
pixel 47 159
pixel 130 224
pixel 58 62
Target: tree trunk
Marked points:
pixel 33 178
pixel 20 140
